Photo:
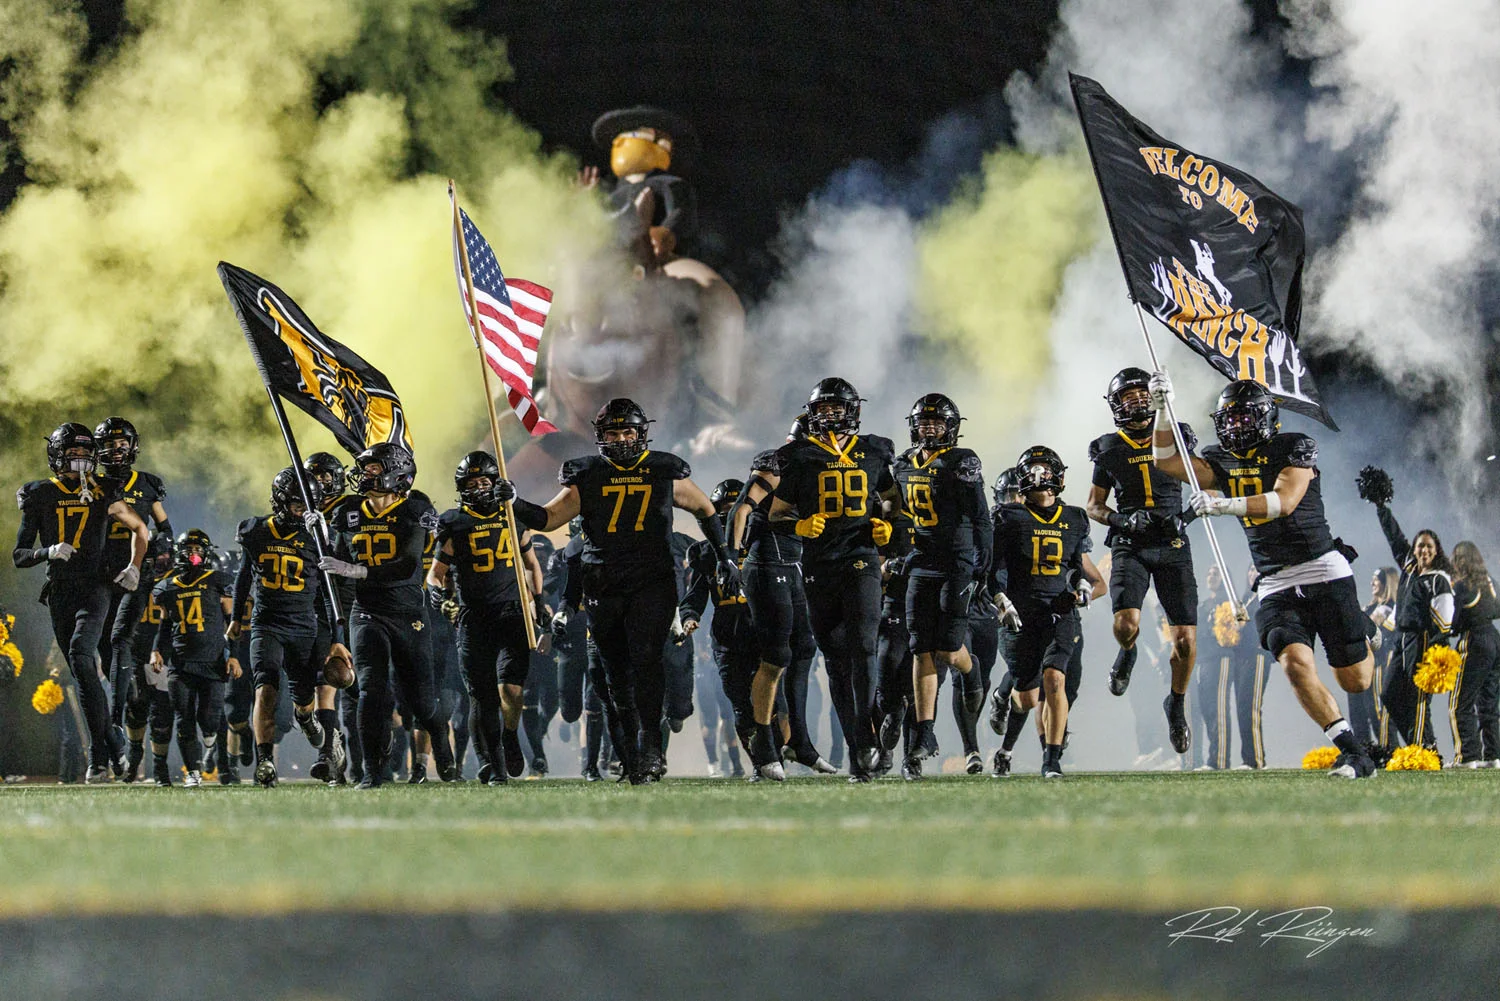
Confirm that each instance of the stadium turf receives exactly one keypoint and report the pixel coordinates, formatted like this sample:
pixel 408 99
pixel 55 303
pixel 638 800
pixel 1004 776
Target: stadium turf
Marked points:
pixel 1123 841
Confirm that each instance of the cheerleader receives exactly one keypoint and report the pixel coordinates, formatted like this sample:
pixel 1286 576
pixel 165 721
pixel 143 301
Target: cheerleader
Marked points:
pixel 1472 708
pixel 1366 715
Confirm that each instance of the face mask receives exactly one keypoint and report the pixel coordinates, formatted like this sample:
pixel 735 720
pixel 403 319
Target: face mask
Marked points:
pixel 80 466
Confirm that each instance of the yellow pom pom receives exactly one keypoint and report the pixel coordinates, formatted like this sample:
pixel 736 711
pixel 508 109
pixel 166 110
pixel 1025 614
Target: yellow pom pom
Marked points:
pixel 1438 669
pixel 1226 626
pixel 47 697
pixel 1414 758
pixel 1320 759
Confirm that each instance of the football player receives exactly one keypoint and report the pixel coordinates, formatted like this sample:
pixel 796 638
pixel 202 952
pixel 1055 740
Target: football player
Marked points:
pixel 542 695
pixel 626 494
pixel 837 492
pixel 1042 574
pixel 71 514
pixel 380 545
pixel 569 630
pixel 147 701
pixel 893 654
pixel 118 446
pixel 1147 538
pixel 777 604
pixel 479 546
pixel 734 647
pixel 942 491
pixel 333 484
pixel 196 606
pixel 291 629
pixel 1306 586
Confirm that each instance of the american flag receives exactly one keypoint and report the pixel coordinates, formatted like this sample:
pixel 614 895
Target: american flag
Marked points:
pixel 512 313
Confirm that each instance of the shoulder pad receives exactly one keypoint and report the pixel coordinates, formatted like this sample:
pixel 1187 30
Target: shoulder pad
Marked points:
pixel 1099 446
pixel 768 461
pixel 1188 437
pixel 572 469
pixel 882 446
pixel 23 493
pixel 968 468
pixel 246 527
pixel 428 518
pixel 673 465
pixel 1301 450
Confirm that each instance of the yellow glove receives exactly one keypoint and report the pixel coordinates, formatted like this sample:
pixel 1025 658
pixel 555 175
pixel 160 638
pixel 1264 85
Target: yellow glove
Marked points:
pixel 880 531
pixel 812 526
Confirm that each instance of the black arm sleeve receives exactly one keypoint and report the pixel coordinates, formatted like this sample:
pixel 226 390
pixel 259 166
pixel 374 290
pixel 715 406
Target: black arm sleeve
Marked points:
pixel 241 589
pixel 699 589
pixel 1400 548
pixel 165 527
pixel 572 589
pixel 533 516
pixel 999 572
pixel 713 532
pixel 25 556
pixel 984 528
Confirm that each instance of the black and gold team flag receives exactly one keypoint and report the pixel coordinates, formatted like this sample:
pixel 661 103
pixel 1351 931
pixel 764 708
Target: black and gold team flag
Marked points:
pixel 317 374
pixel 1210 251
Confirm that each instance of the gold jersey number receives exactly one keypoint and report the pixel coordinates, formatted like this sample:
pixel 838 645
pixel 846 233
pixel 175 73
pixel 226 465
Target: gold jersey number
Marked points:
pixel 374 548
pixel 1247 486
pixel 1046 555
pixel 190 614
pixel 641 490
pixel 282 572
pixel 843 493
pixel 919 503
pixel 486 556
pixel 66 515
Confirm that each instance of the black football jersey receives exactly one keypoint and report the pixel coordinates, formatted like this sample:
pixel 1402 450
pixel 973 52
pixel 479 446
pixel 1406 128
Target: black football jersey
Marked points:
pixel 843 486
pixel 391 544
pixel 950 517
pixel 1035 548
pixel 484 557
pixel 766 541
pixel 140 491
pixel 193 619
pixel 627 511
pixel 280 573
pixel 1296 538
pixel 143 632
pixel 52 512
pixel 731 622
pixel 1123 464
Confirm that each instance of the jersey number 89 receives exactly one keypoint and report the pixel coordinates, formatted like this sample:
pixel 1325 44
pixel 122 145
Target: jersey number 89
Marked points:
pixel 843 493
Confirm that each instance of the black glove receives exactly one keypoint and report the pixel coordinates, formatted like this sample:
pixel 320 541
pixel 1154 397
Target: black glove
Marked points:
pixel 505 490
pixel 435 598
pixel 541 613
pixel 1374 485
pixel 727 577
pixel 1140 522
pixel 559 623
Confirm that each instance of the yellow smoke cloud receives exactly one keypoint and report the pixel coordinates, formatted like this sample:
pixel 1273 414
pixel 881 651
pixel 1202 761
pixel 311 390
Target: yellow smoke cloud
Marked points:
pixel 208 134
pixel 992 264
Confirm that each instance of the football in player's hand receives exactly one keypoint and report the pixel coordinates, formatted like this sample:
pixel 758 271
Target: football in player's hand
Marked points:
pixel 338 670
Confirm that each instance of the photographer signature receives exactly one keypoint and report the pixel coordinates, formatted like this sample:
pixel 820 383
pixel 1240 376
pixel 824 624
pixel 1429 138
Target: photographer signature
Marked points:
pixel 1226 925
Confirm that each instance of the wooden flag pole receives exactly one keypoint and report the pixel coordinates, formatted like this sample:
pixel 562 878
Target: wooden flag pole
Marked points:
pixel 1240 613
pixel 489 399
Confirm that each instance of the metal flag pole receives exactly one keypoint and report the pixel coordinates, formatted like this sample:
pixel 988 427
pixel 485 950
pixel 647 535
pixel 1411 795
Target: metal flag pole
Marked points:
pixel 489 399
pixel 1240 613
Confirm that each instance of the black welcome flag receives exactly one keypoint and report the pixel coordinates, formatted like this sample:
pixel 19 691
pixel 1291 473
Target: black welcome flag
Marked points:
pixel 311 370
pixel 1210 251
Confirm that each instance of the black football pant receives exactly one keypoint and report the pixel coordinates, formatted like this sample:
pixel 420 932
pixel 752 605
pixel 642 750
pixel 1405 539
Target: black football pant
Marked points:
pixel 199 705
pixel 1472 706
pixel 490 648
pixel 737 666
pixel 843 606
pixel 572 668
pixel 600 721
pixel 677 665
pixel 541 699
pixel 78 610
pixel 984 650
pixel 387 648
pixel 629 623
pixel 894 657
pixel 777 604
pixel 1212 681
pixel 1409 708
pixel 1250 669
pixel 125 658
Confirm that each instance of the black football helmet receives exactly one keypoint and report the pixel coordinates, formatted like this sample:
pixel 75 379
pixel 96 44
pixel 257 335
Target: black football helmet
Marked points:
pixel 833 407
pixel 472 467
pixel 1040 468
pixel 1247 416
pixel 332 477
pixel 65 438
pixel 1135 415
pixel 621 414
pixel 285 491
pixel 798 430
pixel 934 407
pixel 1007 486
pixel 398 470
pixel 158 555
pixel 725 493
pixel 117 445
pixel 193 549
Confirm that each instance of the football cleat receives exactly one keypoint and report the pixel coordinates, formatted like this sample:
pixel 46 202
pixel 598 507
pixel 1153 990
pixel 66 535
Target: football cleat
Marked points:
pixel 133 764
pixel 869 759
pixel 370 780
pixel 418 773
pixel 1177 724
pixel 265 774
pixel 653 766
pixel 973 764
pixel 1000 766
pixel 228 776
pixel 859 778
pixel 1052 768
pixel 312 729
pixel 161 774
pixel 890 727
pixel 515 761
pixel 714 771
pixel 809 757
pixel 193 780
pixel 1353 766
pixel 320 770
pixel 591 774
pixel 999 711
pixel 96 775
pixel 911 769
pixel 927 745
pixel 1119 675
pixel 773 770
pixel 539 765
pixel 338 759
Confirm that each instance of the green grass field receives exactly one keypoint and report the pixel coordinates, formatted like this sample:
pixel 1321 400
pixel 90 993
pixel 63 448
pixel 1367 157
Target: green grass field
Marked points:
pixel 1129 841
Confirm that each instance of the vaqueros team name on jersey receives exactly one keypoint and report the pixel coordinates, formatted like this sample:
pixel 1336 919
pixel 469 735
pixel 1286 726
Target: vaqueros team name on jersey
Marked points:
pixel 1296 538
pixel 627 510
pixel 483 558
pixel 1035 548
pixel 944 497
pixel 843 485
